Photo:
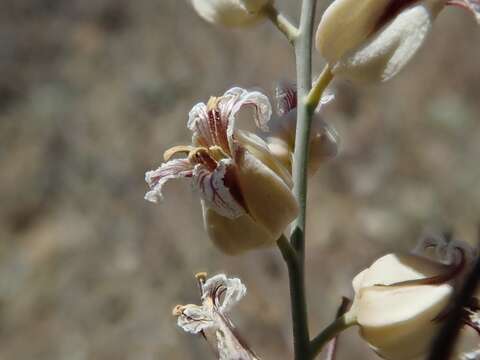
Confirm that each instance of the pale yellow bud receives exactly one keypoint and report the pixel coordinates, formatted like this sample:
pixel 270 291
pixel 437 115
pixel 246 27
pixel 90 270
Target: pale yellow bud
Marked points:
pixel 324 140
pixel 323 147
pixel 372 40
pixel 398 304
pixel 231 13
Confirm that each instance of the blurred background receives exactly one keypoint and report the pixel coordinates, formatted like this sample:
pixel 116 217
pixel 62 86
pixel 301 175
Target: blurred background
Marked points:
pixel 91 94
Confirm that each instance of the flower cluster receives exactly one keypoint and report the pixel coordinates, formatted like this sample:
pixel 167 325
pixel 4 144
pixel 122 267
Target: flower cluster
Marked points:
pixel 244 189
pixel 244 182
pixel 244 179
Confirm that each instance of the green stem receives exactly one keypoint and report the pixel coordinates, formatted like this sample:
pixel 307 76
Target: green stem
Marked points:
pixel 282 23
pixel 303 57
pixel 336 327
pixel 333 344
pixel 297 299
pixel 288 252
pixel 294 252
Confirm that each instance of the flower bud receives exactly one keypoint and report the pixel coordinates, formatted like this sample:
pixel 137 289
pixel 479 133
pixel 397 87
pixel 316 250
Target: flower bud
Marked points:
pixel 372 40
pixel 230 13
pixel 397 308
pixel 324 140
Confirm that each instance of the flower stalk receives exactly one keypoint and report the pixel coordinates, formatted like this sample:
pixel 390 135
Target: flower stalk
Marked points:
pixel 330 332
pixel 282 23
pixel 333 344
pixel 305 108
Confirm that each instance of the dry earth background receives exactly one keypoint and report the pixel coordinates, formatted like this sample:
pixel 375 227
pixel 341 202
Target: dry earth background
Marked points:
pixel 93 91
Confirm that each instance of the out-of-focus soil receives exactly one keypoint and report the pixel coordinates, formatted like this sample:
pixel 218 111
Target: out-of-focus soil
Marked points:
pixel 93 92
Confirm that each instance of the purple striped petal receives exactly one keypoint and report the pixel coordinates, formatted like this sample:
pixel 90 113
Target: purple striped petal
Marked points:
pixel 218 188
pixel 173 169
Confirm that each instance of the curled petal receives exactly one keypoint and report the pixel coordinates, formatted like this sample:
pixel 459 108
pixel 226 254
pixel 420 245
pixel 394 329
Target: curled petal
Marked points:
pixel 219 294
pixel 471 5
pixel 237 98
pixel 208 127
pixel 218 188
pixel 446 250
pixel 174 169
pixel 214 123
pixel 194 318
pixel 225 292
pixel 286 97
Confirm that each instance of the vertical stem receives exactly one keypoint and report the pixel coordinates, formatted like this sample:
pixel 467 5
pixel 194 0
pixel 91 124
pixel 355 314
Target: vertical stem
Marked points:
pixel 294 251
pixel 301 337
pixel 303 57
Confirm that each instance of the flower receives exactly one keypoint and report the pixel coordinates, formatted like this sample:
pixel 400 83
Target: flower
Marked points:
pixel 372 40
pixel 245 191
pixel 281 139
pixel 219 294
pixel 401 299
pixel 231 13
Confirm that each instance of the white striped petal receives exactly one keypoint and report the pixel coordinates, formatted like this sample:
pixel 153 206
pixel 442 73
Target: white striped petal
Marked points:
pixel 213 188
pixel 225 292
pixel 173 169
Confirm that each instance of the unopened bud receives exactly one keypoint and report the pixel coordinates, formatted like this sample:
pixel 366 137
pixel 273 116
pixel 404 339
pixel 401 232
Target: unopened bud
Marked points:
pixel 372 40
pixel 230 13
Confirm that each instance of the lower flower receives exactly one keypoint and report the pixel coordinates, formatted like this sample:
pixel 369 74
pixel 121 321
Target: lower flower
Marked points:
pixel 219 294
pixel 401 300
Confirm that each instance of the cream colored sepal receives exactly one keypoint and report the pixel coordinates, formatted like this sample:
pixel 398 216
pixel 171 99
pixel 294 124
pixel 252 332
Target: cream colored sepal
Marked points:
pixel 398 315
pixel 367 41
pixel 270 207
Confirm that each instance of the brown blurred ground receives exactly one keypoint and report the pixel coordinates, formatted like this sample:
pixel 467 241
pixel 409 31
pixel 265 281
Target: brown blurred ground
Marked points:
pixel 93 91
